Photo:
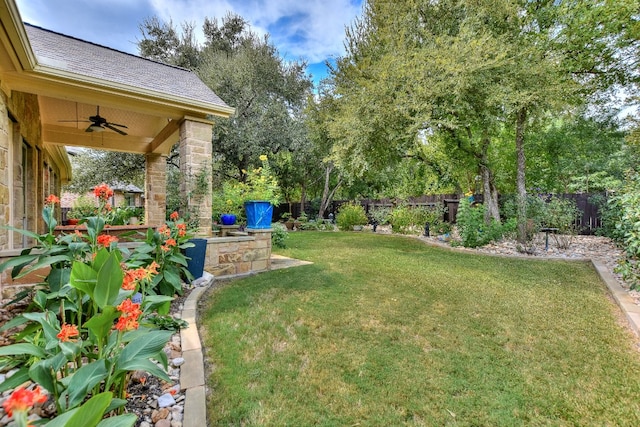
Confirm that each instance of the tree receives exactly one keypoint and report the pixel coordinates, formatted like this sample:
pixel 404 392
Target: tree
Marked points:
pixel 460 72
pixel 268 95
pixel 93 167
pixel 246 71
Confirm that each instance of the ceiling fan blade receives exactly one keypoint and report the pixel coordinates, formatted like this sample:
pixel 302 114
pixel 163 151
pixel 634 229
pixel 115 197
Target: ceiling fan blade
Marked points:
pixel 108 126
pixel 116 124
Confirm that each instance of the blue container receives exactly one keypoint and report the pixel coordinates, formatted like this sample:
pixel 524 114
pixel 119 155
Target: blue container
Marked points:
pixel 259 214
pixel 195 257
pixel 228 219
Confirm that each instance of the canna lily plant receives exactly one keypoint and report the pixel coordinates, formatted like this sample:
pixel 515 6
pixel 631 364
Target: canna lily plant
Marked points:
pixel 85 333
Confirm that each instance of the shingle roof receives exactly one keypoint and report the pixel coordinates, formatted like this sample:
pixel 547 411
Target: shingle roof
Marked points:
pixel 77 56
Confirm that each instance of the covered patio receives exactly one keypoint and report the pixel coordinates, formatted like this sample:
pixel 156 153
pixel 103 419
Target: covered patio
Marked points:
pixel 58 91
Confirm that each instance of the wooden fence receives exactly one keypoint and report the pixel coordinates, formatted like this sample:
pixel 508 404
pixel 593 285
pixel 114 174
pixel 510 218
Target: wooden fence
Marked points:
pixel 587 223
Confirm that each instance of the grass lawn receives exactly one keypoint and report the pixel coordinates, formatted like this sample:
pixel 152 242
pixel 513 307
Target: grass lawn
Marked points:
pixel 386 331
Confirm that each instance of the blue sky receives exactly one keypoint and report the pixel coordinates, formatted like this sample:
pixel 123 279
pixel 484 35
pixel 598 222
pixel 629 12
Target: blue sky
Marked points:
pixel 310 30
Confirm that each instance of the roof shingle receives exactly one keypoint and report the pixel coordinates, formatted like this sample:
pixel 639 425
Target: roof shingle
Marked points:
pixel 84 58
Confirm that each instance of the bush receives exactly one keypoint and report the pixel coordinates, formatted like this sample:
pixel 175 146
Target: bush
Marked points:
pixel 472 228
pixel 628 226
pixel 381 215
pixel 610 210
pixel 403 219
pixel 351 214
pixel 412 220
pixel 279 235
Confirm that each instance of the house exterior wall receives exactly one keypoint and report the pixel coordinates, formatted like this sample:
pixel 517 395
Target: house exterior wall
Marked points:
pixel 27 173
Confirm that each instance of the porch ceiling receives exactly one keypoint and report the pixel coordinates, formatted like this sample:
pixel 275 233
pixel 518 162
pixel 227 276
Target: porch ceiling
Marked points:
pixel 65 122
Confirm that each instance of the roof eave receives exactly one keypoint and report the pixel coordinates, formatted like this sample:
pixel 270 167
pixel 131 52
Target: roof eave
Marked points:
pixel 194 106
pixel 17 35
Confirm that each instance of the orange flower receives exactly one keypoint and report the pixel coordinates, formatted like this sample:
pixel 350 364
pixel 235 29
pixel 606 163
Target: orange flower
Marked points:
pixel 108 206
pixel 67 331
pixel 165 230
pixel 153 268
pixel 182 229
pixel 106 240
pixel 129 318
pixel 103 191
pixel 52 199
pixel 126 323
pixel 171 242
pixel 129 280
pixel 174 216
pixel 22 399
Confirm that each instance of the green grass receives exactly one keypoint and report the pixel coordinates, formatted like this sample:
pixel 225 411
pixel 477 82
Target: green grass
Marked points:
pixel 386 331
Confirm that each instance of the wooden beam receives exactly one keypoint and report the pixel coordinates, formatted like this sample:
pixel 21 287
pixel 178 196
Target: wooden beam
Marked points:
pixel 162 143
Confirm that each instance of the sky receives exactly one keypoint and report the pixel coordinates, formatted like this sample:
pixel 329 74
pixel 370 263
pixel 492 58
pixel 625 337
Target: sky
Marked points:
pixel 309 30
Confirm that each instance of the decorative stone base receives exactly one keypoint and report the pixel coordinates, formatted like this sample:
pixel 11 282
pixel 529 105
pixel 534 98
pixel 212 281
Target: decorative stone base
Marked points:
pixel 236 255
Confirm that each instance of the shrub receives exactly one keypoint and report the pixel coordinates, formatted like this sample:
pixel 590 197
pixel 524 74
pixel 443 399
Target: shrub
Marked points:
pixel 472 228
pixel 610 211
pixel 628 227
pixel 408 220
pixel 279 235
pixel 562 214
pixel 381 215
pixel 403 219
pixel 351 214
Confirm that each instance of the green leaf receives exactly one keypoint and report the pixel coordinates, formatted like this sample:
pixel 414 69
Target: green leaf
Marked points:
pixel 58 277
pixel 70 349
pixel 115 404
pixel 101 324
pixel 151 302
pixel 43 373
pixel 19 260
pixel 49 322
pixel 142 365
pixel 22 348
pixel 15 380
pixel 142 348
pixel 83 380
pixel 43 262
pixel 126 420
pixel 173 279
pixel 83 278
pixel 109 282
pixel 88 415
pixel 16 321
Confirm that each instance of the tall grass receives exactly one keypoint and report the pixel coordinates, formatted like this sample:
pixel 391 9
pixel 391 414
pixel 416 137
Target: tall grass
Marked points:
pixel 385 331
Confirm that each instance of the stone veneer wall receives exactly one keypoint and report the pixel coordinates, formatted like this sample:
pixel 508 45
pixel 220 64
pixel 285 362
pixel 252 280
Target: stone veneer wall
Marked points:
pixel 228 256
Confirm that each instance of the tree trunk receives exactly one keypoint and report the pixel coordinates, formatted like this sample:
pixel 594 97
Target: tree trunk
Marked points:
pixel 327 192
pixel 520 177
pixel 492 210
pixel 303 198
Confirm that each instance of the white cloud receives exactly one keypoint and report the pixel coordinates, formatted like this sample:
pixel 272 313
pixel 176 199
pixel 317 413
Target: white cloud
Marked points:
pixel 312 30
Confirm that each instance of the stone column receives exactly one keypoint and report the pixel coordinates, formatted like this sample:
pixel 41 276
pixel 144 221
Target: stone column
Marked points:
pixel 155 202
pixel 195 168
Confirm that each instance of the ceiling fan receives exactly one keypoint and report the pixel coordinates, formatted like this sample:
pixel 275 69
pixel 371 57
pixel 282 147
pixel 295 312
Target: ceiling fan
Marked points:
pixel 99 123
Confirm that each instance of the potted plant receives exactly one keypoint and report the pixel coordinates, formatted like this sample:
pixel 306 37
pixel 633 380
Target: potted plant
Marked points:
pixel 288 221
pixel 73 217
pixel 227 204
pixel 260 191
